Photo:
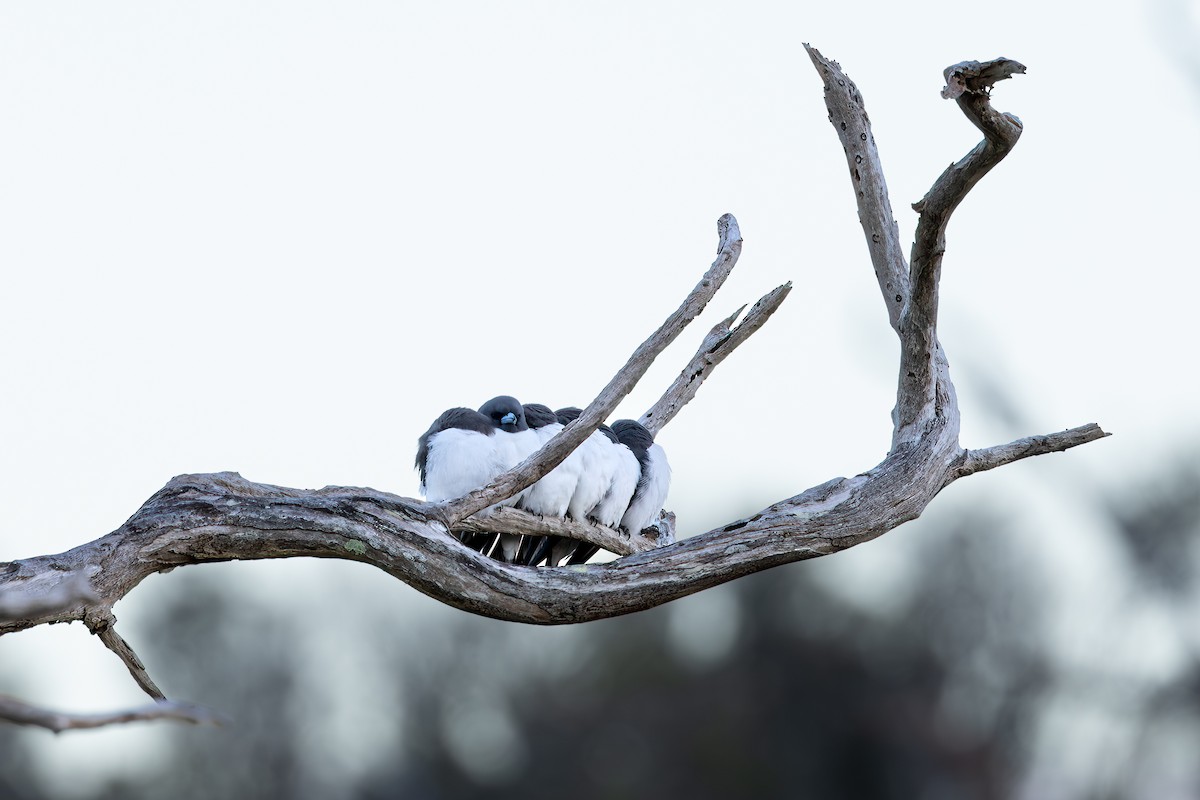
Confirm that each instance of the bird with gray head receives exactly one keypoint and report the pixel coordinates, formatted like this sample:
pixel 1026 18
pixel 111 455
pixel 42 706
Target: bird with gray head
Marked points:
pixel 603 495
pixel 515 442
pixel 552 494
pixel 456 455
pixel 654 478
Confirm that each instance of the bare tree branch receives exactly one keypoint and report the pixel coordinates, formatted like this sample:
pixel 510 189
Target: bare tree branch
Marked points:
pixel 100 622
pixel 558 448
pixel 991 457
pixel 924 373
pixel 13 710
pixel 722 340
pixel 201 518
pixel 510 520
pixel 848 115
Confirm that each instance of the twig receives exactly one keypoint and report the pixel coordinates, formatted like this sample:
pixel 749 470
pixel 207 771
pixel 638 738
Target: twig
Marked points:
pixel 100 621
pixel 991 457
pixel 20 713
pixel 722 340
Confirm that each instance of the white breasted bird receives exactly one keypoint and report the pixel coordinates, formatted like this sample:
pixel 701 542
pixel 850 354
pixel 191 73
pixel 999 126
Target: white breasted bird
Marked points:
pixel 654 480
pixel 552 494
pixel 457 454
pixel 603 494
pixel 514 443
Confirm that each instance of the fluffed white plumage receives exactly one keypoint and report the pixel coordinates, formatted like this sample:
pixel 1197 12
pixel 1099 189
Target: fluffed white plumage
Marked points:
pixel 647 503
pixel 515 442
pixel 459 461
pixel 654 478
pixel 596 477
pixel 623 466
pixel 457 454
pixel 598 463
pixel 552 494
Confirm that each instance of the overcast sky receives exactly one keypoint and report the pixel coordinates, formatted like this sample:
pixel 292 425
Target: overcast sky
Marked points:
pixel 279 238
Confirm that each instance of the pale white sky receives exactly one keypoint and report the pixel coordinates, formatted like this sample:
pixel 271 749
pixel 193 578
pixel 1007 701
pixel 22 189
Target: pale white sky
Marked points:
pixel 280 237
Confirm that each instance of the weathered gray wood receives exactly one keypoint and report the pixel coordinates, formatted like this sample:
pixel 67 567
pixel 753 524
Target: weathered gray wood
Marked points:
pixel 511 520
pixel 922 360
pixel 848 115
pixel 722 340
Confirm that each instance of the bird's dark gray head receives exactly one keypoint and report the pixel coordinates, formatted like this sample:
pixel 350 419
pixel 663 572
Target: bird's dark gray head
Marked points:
pixel 505 413
pixel 465 418
pixel 539 416
pixel 634 435
pixel 568 415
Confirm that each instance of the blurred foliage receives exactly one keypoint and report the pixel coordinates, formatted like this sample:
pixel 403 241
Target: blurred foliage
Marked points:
pixel 1159 522
pixel 778 685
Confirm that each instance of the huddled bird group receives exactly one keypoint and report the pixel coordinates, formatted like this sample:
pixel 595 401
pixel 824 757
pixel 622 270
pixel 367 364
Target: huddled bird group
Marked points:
pixel 617 477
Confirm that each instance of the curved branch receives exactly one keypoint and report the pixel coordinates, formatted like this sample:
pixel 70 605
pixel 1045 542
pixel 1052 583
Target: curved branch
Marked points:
pixel 202 518
pixel 925 389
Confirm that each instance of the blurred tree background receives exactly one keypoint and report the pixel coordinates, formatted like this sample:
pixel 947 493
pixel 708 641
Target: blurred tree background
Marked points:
pixel 785 684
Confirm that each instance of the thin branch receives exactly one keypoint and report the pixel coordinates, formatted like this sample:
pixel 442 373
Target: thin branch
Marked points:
pixel 921 358
pixel 20 713
pixel 503 519
pixel 101 622
pixel 849 118
pixel 558 448
pixel 991 457
pixel 722 340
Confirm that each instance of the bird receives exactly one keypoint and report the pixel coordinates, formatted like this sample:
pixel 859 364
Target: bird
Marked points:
pixel 552 494
pixel 596 476
pixel 457 454
pixel 654 479
pixel 515 442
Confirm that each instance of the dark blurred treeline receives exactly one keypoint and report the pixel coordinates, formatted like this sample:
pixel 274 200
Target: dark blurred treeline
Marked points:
pixel 773 686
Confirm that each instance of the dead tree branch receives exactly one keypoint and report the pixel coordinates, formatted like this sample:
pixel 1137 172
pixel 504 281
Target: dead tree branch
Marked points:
pixel 220 517
pixel 101 623
pixel 13 710
pixel 722 340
